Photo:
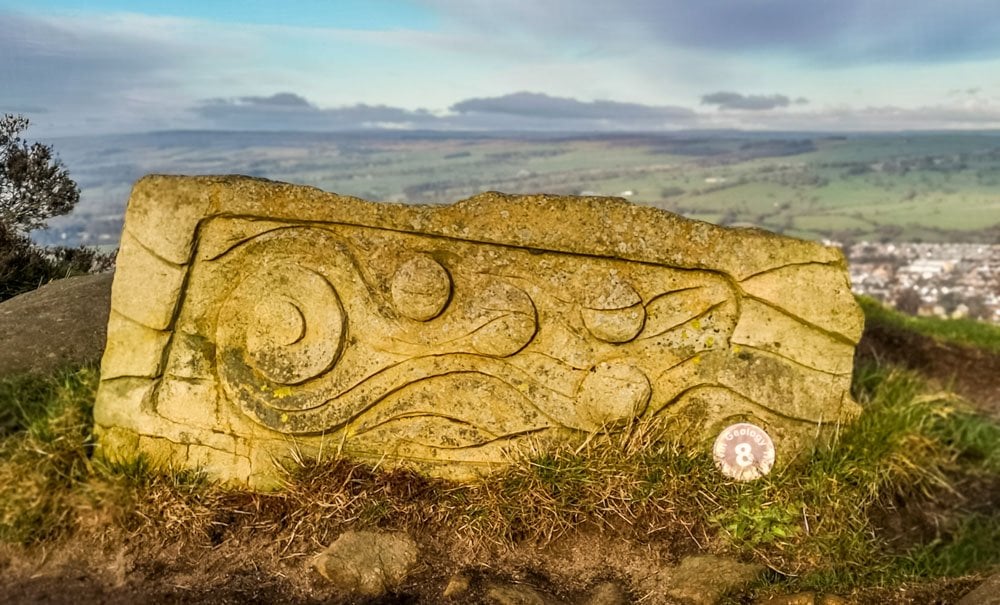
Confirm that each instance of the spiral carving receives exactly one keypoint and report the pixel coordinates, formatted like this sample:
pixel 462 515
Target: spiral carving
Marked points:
pixel 281 326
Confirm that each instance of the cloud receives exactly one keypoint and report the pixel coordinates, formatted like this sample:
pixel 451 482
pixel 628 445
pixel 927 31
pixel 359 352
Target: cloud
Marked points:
pixel 845 31
pixel 51 55
pixel 538 105
pixel 538 112
pixel 281 99
pixel 108 73
pixel 93 72
pixel 24 109
pixel 965 92
pixel 735 100
pixel 517 111
pixel 290 111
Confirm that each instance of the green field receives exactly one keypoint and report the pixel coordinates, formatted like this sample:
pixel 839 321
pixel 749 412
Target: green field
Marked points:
pixel 899 187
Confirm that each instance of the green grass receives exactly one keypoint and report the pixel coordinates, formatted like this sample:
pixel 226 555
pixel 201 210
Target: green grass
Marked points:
pixel 817 522
pixel 972 547
pixel 909 446
pixel 44 452
pixel 827 222
pixel 966 332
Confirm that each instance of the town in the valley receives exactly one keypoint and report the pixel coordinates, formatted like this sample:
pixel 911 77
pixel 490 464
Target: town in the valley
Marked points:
pixel 943 280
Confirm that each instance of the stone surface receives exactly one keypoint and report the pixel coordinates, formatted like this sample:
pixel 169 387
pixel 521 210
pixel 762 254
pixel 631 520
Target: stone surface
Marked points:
pixel 799 598
pixel 607 593
pixel 58 325
pixel 368 563
pixel 457 587
pixel 518 594
pixel 253 318
pixel 987 593
pixel 702 580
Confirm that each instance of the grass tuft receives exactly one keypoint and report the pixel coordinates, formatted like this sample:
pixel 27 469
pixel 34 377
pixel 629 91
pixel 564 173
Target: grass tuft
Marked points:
pixel 44 452
pixel 905 456
pixel 970 548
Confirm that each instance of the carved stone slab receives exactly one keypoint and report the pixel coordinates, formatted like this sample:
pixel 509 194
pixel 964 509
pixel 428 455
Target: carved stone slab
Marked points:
pixel 253 320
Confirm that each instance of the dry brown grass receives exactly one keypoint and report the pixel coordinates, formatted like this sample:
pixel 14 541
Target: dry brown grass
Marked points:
pixel 626 485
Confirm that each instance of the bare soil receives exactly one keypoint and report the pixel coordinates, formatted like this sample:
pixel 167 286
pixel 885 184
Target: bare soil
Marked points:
pixel 254 568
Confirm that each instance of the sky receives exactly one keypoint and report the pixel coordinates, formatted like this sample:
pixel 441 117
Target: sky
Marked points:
pixel 79 67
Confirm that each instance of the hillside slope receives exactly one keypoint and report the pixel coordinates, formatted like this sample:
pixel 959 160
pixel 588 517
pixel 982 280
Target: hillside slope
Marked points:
pixel 904 510
pixel 962 356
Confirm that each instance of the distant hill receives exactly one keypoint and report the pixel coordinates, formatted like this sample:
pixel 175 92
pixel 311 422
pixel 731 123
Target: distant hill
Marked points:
pixel 941 187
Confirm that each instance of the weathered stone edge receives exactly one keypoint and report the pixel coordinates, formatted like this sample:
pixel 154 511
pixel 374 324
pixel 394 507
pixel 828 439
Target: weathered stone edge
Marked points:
pixel 617 228
pixel 545 222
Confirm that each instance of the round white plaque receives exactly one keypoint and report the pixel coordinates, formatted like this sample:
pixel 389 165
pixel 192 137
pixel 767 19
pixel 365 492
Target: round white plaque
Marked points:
pixel 744 452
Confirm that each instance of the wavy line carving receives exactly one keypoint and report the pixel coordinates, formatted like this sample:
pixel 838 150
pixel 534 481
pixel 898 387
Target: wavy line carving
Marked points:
pixel 446 345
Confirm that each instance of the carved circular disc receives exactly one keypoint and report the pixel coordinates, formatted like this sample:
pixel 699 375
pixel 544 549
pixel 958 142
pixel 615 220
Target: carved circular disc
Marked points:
pixel 514 322
pixel 743 452
pixel 421 288
pixel 613 310
pixel 613 393
pixel 615 325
